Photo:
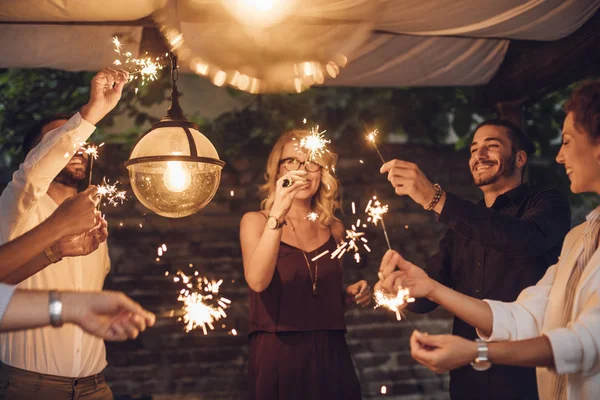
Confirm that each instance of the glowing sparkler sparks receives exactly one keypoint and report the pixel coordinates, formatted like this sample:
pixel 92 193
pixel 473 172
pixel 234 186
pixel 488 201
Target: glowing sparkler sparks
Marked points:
pixel 315 144
pixel 91 149
pixel 146 68
pixel 111 193
pixel 375 210
pixel 353 239
pixel 202 304
pixel 312 216
pixel 395 304
pixel 372 137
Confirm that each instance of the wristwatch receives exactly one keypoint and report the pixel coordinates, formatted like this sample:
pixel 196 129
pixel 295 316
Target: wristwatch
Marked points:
pixel 481 362
pixel 55 308
pixel 273 223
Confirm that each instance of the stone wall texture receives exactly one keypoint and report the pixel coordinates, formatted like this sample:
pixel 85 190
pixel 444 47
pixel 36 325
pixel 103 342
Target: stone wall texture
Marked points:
pixel 167 363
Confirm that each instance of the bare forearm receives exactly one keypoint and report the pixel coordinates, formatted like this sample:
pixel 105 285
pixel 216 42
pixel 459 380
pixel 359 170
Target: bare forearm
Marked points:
pixel 523 353
pixel 261 266
pixel 30 268
pixel 474 312
pixel 27 252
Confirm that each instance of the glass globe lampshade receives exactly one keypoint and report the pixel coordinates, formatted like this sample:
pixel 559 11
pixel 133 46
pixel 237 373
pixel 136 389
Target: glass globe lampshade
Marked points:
pixel 174 169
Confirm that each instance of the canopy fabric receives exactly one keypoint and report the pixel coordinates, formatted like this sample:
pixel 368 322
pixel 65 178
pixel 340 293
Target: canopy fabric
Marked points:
pixel 411 42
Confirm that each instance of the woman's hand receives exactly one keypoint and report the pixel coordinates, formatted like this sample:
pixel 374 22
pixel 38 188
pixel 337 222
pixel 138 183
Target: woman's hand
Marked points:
pixel 395 271
pixel 284 196
pixel 359 293
pixel 442 353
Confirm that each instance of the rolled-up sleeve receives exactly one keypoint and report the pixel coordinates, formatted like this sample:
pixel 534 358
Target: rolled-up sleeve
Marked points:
pixel 6 293
pixel 42 164
pixel 523 318
pixel 576 347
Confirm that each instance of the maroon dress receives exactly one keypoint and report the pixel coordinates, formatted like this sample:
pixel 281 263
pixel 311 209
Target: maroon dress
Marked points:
pixel 298 349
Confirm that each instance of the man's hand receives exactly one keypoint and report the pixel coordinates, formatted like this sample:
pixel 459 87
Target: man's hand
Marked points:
pixel 408 179
pixel 84 243
pixel 76 214
pixel 105 92
pixel 108 315
pixel 442 353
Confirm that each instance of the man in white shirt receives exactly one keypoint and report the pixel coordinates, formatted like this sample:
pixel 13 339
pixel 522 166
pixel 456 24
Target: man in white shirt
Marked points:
pixel 65 362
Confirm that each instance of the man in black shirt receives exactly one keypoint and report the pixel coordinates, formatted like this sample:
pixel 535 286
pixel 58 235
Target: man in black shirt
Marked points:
pixel 493 249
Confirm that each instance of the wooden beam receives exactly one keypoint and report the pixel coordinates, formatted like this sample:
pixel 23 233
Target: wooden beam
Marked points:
pixel 532 69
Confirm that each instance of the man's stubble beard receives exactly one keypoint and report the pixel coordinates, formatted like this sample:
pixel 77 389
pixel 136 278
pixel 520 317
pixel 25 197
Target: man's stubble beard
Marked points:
pixel 508 169
pixel 70 178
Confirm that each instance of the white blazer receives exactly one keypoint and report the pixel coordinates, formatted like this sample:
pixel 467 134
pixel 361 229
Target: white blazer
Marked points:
pixel 539 311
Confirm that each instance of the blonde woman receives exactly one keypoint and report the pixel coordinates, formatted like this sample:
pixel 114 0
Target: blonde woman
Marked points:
pixel 297 330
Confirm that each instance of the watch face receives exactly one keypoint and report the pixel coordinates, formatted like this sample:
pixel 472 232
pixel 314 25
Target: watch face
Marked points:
pixel 272 223
pixel 481 364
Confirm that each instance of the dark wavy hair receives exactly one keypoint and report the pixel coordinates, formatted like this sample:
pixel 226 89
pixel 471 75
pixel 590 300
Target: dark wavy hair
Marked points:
pixel 584 103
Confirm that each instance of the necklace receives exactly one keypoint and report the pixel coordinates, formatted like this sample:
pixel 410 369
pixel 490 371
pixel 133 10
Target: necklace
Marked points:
pixel 314 280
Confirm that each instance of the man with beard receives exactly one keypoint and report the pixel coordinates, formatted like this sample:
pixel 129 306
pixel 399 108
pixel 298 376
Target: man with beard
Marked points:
pixel 493 249
pixel 59 361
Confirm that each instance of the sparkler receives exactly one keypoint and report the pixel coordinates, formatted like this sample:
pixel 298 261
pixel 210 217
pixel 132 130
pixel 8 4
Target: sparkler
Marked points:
pixel 376 210
pixel 312 216
pixel 353 239
pixel 371 137
pixel 146 68
pixel 113 195
pixel 395 304
pixel 315 144
pixel 92 151
pixel 202 304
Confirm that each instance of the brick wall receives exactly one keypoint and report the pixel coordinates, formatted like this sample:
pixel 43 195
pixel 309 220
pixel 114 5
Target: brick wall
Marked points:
pixel 167 363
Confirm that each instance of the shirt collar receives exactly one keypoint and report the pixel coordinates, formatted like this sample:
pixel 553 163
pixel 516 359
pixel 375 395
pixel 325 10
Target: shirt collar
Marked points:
pixel 513 196
pixel 594 215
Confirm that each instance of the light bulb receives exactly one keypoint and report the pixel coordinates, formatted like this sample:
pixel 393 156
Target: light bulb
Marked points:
pixel 177 178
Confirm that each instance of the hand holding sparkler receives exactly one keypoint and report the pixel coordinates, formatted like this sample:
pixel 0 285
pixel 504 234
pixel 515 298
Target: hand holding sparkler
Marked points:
pixel 408 179
pixel 105 92
pixel 78 213
pixel 395 272
pixel 286 189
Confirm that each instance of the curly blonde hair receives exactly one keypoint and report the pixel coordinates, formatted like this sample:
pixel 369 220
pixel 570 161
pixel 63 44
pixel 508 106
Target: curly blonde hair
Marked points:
pixel 327 199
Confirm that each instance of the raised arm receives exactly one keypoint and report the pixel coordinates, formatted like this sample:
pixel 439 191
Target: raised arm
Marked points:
pixel 260 244
pixel 43 163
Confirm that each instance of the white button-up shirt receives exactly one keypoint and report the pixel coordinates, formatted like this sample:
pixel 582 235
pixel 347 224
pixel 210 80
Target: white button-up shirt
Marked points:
pixel 67 351
pixel 539 311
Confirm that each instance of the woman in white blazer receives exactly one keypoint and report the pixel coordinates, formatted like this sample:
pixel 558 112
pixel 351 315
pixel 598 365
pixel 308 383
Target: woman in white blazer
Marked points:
pixel 554 325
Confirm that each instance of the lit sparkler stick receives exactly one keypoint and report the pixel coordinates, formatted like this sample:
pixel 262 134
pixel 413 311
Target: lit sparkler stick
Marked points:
pixel 353 239
pixel 202 305
pixel 113 195
pixel 376 210
pixel 371 137
pixel 395 304
pixel 315 258
pixel 146 68
pixel 315 144
pixel 92 151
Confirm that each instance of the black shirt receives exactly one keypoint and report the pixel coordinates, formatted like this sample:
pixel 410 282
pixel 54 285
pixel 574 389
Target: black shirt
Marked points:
pixel 495 253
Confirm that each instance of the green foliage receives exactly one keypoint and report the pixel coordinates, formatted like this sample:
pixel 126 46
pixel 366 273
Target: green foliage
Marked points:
pixel 30 95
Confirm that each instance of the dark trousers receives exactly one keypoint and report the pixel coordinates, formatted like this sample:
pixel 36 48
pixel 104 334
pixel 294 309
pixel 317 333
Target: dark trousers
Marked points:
pixel 19 384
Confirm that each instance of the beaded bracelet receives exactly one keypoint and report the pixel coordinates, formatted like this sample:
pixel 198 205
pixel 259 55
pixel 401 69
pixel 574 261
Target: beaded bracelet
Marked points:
pixel 436 197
